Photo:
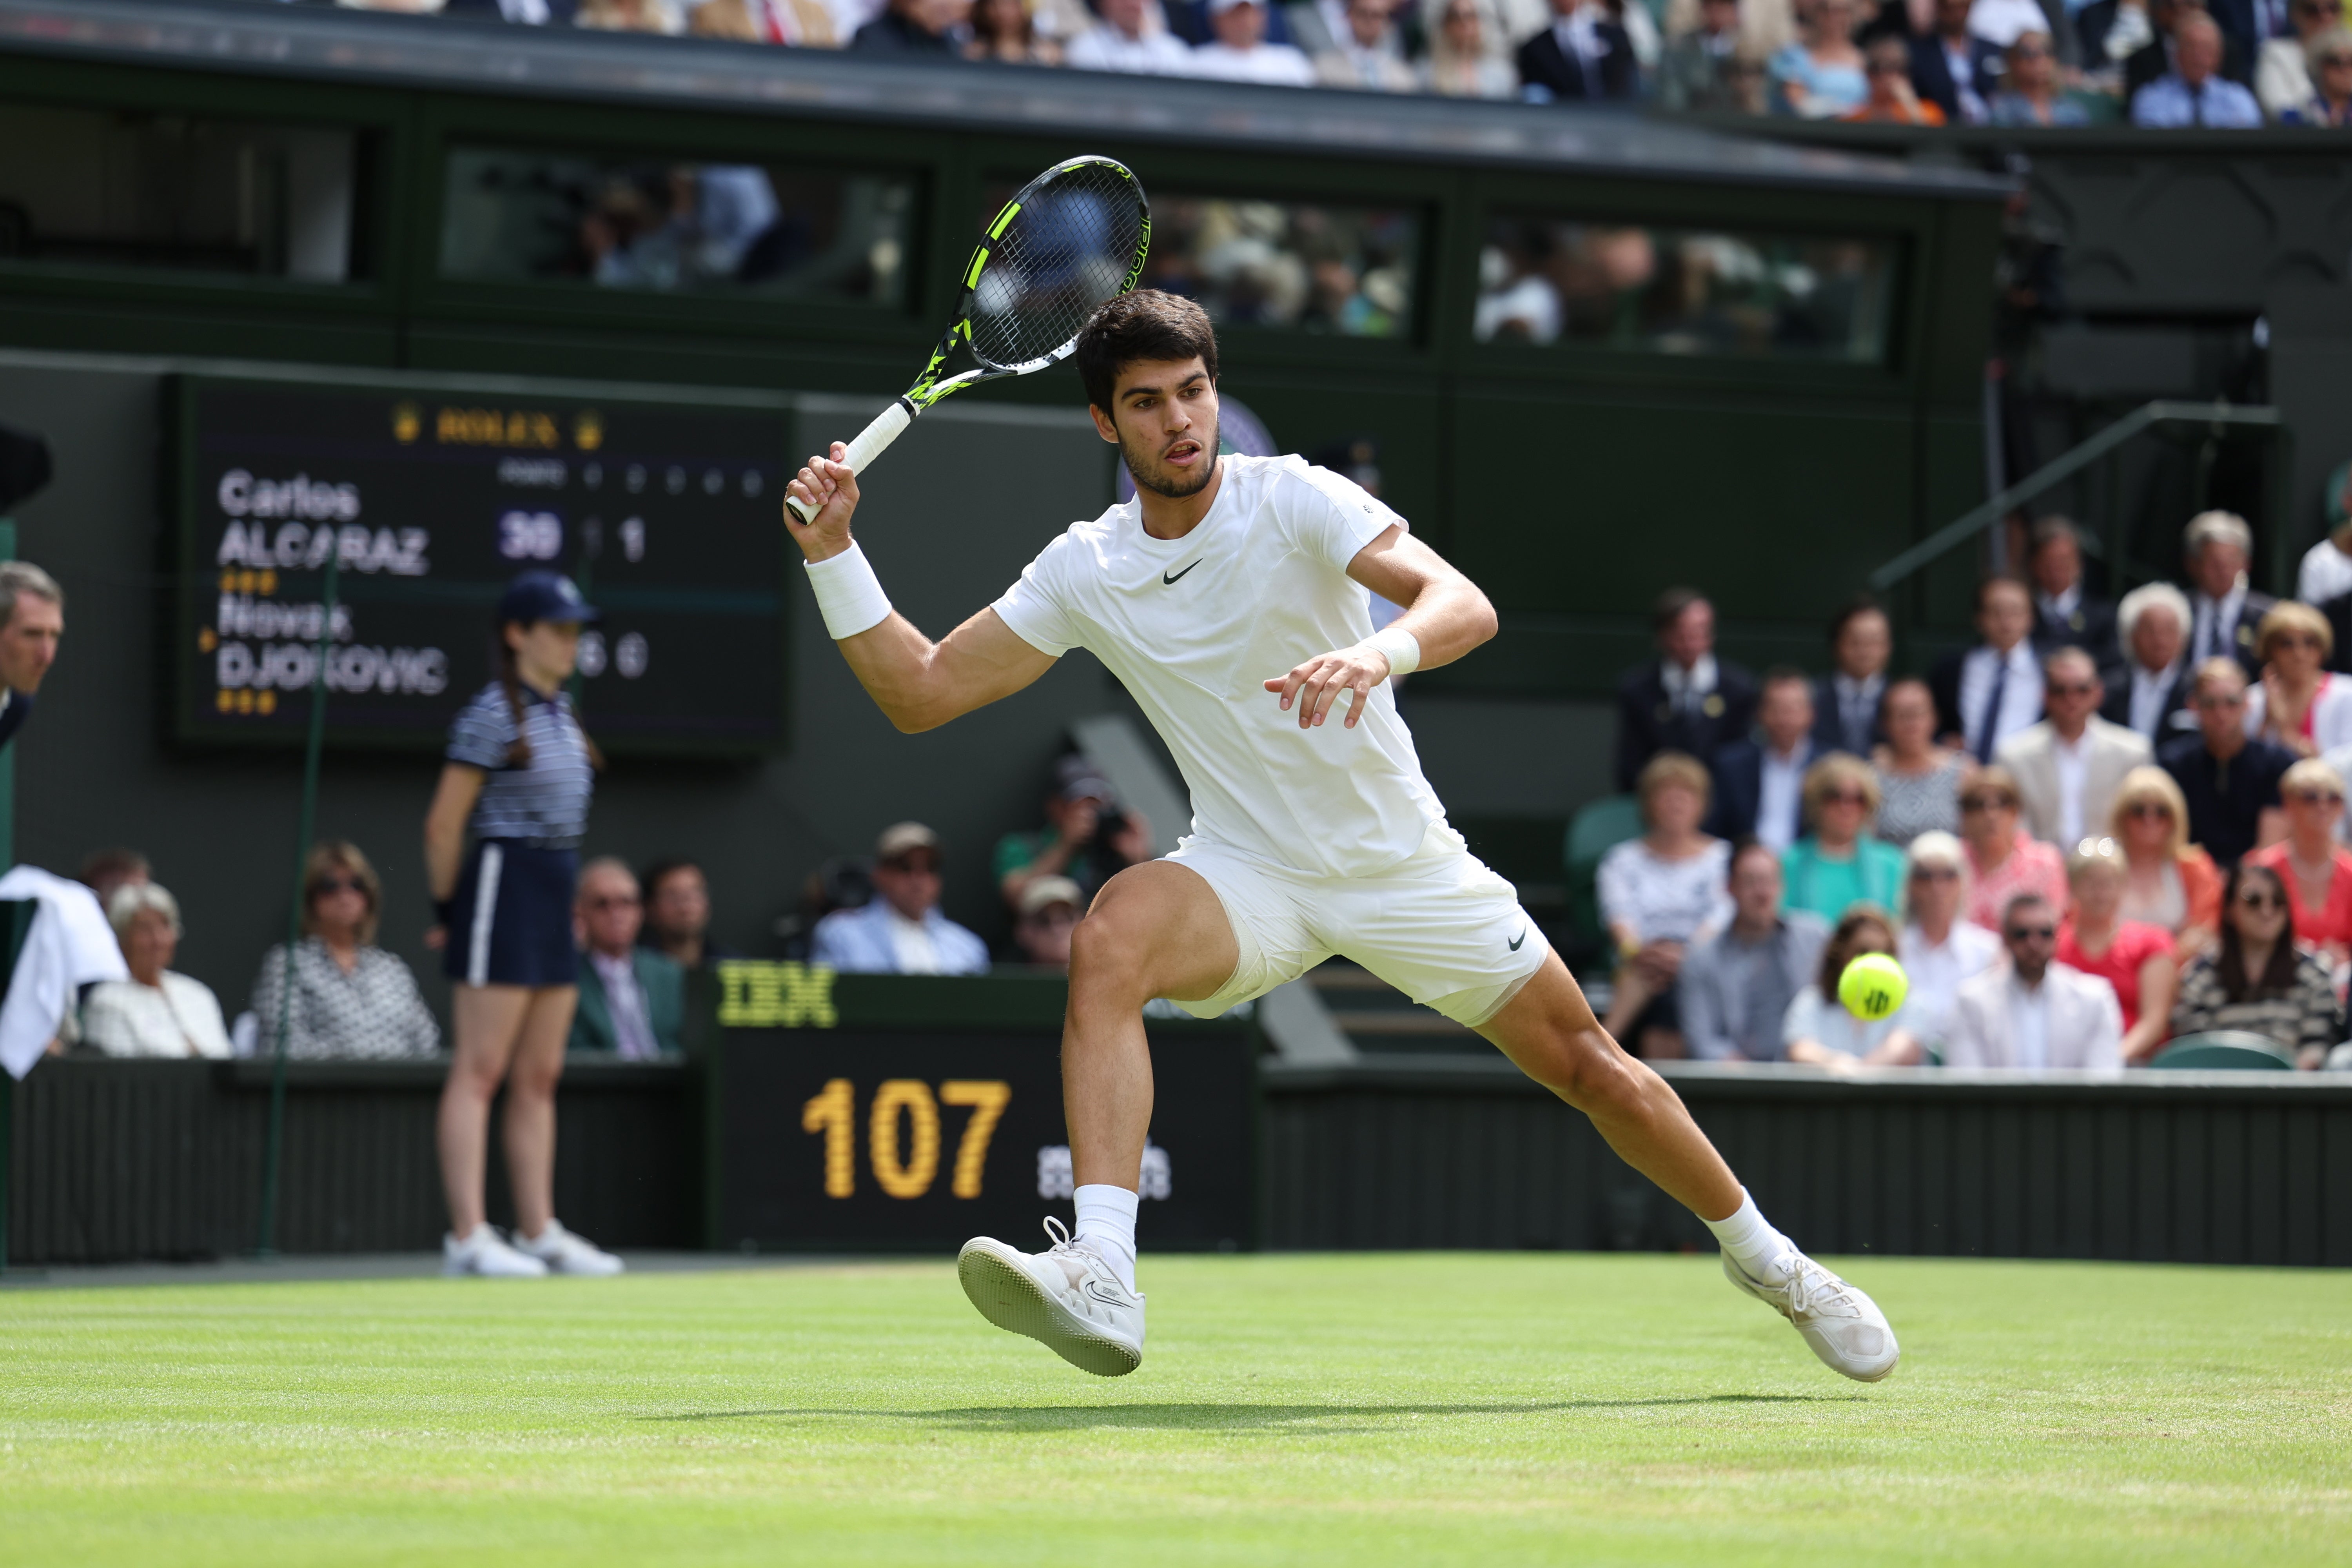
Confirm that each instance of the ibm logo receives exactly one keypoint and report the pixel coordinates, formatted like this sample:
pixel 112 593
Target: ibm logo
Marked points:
pixel 756 993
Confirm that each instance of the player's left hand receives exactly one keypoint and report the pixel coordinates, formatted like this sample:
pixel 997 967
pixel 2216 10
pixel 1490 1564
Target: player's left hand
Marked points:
pixel 1317 684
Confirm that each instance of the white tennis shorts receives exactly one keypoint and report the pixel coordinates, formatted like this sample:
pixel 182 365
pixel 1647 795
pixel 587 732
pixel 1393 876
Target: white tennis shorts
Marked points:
pixel 1440 927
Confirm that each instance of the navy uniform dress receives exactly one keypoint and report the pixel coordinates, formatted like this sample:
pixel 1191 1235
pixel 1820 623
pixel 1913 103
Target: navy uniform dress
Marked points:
pixel 510 920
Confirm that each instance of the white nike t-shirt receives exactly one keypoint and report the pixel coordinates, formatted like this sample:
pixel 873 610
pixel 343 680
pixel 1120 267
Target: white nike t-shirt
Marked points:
pixel 1193 626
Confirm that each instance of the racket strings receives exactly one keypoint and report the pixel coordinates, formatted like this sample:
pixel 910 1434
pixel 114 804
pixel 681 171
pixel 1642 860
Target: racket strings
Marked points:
pixel 1067 250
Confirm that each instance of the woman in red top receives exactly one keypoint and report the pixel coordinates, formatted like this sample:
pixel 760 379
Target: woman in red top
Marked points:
pixel 2317 869
pixel 2133 956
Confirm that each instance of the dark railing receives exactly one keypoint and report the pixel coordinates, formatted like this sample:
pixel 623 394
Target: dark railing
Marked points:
pixel 2216 416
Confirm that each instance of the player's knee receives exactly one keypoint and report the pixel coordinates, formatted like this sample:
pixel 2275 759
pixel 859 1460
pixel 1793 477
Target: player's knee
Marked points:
pixel 1590 1073
pixel 1107 961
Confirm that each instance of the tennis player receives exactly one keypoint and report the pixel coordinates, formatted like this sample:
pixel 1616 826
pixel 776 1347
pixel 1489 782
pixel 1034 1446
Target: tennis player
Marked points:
pixel 1228 598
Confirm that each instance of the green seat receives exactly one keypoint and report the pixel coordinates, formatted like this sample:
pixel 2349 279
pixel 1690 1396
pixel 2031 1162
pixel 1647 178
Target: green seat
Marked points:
pixel 1597 827
pixel 2225 1050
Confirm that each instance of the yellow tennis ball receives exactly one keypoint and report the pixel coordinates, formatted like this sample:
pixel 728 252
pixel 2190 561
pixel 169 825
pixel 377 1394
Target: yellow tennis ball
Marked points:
pixel 1873 985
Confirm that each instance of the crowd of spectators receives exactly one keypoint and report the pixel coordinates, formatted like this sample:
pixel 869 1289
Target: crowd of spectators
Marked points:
pixel 2097 830
pixel 1918 62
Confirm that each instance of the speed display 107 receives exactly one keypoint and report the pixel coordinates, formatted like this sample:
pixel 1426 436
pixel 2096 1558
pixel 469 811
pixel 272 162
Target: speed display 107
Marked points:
pixel 665 510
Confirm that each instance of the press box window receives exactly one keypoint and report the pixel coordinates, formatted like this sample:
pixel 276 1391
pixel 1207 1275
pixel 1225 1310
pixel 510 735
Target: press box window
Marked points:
pixel 1548 280
pixel 676 226
pixel 94 187
pixel 1294 266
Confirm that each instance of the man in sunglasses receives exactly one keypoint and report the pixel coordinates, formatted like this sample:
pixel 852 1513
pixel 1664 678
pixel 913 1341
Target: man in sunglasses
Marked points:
pixel 2230 779
pixel 2070 764
pixel 2034 1012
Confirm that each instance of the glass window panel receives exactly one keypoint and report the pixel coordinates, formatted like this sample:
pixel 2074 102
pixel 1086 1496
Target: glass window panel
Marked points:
pixel 95 187
pixel 676 226
pixel 1291 265
pixel 1547 279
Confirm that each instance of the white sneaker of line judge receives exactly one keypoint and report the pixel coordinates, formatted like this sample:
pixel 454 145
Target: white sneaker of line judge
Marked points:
pixel 564 1253
pixel 484 1253
pixel 1067 1298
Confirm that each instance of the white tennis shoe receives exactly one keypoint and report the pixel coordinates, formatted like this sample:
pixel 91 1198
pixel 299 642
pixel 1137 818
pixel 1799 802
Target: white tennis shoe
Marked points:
pixel 563 1253
pixel 485 1254
pixel 1844 1327
pixel 1067 1298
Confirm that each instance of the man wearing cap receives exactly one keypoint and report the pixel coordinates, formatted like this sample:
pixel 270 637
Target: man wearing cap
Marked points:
pixel 901 930
pixel 1240 52
pixel 1045 916
pixel 1086 837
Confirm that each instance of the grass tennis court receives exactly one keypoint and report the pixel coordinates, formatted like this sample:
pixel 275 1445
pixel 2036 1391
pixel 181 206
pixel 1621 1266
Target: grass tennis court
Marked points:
pixel 1366 1409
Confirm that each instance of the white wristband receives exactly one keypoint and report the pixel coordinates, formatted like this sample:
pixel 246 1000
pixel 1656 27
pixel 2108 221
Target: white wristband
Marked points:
pixel 1402 648
pixel 848 594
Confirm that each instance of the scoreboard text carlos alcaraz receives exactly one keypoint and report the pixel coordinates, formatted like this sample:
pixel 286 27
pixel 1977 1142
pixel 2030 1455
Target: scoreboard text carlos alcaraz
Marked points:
pixel 433 496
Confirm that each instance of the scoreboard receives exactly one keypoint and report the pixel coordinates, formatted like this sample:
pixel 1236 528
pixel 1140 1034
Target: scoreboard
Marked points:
pixel 432 498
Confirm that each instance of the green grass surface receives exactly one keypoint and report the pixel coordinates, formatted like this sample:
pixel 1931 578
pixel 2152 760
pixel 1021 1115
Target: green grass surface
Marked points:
pixel 1365 1410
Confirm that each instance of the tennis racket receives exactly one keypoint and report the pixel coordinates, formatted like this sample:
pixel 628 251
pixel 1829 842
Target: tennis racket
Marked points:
pixel 1068 242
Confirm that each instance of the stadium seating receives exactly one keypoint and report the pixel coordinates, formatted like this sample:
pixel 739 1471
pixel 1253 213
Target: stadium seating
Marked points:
pixel 2224 1050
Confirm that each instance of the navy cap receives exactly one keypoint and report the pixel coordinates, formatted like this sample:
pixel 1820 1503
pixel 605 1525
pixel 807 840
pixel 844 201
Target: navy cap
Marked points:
pixel 544 597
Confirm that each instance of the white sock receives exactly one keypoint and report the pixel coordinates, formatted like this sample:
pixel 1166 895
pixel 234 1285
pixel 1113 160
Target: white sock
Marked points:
pixel 1752 1242
pixel 1106 1224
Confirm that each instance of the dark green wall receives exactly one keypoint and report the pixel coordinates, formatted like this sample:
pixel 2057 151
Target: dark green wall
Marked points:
pixel 1573 483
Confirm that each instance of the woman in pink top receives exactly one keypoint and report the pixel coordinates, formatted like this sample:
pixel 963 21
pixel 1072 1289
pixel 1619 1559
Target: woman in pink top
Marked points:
pixel 2317 869
pixel 2002 860
pixel 2133 956
pixel 2297 703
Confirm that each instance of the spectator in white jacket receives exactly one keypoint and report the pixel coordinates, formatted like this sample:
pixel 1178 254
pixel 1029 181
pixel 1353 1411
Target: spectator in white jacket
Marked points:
pixel 156 1012
pixel 1124 41
pixel 1240 52
pixel 2032 1012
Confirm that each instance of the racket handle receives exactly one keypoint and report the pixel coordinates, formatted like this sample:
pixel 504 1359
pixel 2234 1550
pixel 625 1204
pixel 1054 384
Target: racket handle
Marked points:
pixel 868 445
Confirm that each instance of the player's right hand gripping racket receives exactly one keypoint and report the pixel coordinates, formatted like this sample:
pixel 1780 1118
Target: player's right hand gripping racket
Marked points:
pixel 1069 241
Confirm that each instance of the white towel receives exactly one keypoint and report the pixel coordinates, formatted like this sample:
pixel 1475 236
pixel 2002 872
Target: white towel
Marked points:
pixel 69 946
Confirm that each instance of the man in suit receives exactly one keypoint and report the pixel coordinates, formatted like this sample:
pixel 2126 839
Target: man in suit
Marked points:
pixel 2229 779
pixel 1686 700
pixel 2157 57
pixel 1846 702
pixel 632 999
pixel 1760 783
pixel 1953 69
pixel 2215 548
pixel 2065 614
pixel 2147 692
pixel 2032 1012
pixel 1988 693
pixel 1585 54
pixel 2070 765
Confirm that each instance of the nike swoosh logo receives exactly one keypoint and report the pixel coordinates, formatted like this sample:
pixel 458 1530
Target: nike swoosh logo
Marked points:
pixel 1520 939
pixel 1172 581
pixel 1102 1293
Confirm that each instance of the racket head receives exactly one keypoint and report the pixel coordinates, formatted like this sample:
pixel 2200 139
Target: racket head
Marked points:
pixel 1068 242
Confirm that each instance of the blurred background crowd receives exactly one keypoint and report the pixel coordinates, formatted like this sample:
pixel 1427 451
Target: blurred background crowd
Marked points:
pixel 2215 63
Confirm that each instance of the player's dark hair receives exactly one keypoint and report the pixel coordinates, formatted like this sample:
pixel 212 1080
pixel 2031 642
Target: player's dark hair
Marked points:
pixel 510 682
pixel 1144 327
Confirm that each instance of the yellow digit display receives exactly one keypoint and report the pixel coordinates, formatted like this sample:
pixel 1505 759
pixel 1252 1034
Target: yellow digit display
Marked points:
pixel 832 1112
pixel 910 1176
pixel 988 1098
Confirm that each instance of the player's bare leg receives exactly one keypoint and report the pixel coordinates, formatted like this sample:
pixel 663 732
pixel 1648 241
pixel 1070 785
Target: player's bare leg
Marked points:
pixel 1549 1031
pixel 1155 930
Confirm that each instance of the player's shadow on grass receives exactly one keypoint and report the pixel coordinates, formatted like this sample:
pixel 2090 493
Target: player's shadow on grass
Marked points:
pixel 1234 1418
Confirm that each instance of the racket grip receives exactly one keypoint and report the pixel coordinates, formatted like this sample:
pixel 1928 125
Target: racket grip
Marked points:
pixel 869 445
